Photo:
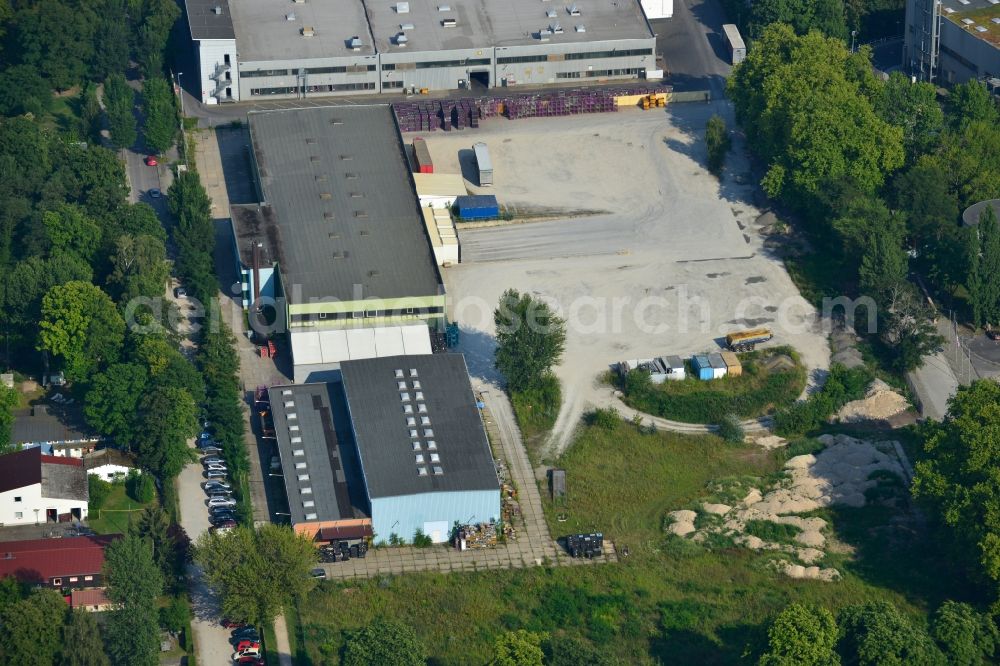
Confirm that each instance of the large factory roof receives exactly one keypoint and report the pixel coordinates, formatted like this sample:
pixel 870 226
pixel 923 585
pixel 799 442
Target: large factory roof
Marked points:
pixel 270 30
pixel 485 23
pixel 318 463
pixel 417 425
pixel 978 17
pixel 210 19
pixel 346 222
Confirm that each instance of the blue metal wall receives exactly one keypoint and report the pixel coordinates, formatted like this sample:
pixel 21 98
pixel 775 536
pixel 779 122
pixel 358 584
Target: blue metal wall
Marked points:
pixel 405 514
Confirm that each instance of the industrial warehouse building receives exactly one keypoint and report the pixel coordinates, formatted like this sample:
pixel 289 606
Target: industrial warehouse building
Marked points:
pixel 396 446
pixel 953 41
pixel 337 245
pixel 285 49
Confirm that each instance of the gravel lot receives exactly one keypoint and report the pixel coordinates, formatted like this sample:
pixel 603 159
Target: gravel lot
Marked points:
pixel 672 264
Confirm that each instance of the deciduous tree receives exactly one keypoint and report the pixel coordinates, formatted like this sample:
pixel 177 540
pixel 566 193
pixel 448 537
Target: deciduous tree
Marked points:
pixel 971 102
pixel 8 401
pixel 802 636
pixel 384 642
pixel 32 629
pixel 169 417
pixel 160 123
pixel 119 102
pixel 81 644
pixel 71 231
pixel 518 648
pixel 717 143
pixel 134 582
pixel 967 637
pixel 80 324
pixel 877 634
pixel 530 340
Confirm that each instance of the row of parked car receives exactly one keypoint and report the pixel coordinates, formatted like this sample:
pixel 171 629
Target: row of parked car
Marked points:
pixel 246 644
pixel 221 504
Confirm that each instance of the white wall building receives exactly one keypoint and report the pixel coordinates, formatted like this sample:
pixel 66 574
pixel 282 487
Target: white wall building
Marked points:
pixel 212 31
pixel 35 488
pixel 109 464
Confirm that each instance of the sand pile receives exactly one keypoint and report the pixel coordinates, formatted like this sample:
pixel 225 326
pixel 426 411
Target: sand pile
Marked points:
pixel 880 403
pixel 840 474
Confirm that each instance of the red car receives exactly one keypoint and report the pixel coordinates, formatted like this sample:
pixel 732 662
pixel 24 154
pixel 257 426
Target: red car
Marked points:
pixel 151 160
pixel 246 644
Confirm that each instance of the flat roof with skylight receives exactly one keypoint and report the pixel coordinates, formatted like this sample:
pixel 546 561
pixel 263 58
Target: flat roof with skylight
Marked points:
pixel 980 18
pixel 417 426
pixel 441 25
pixel 269 30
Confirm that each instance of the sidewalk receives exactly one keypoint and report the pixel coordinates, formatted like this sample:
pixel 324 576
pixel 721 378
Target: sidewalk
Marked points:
pixel 933 383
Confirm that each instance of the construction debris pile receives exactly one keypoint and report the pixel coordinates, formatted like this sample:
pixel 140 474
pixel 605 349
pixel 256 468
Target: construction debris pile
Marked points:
pixel 483 535
pixel 880 403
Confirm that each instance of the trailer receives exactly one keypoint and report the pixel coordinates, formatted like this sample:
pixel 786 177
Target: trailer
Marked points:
pixel 477 207
pixel 484 163
pixel 422 156
pixel 737 49
pixel 741 341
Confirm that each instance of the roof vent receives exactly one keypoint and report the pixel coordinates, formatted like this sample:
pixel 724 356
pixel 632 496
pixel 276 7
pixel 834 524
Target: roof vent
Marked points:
pixel 556 29
pixel 289 403
pixel 581 28
pixel 421 471
pixel 309 516
pixel 573 10
pixel 413 372
pixel 409 26
pixel 402 8
pixel 401 40
pixel 551 13
pixel 448 23
pixel 356 43
pixel 399 373
pixel 307 31
pixel 968 21
pixel 444 8
pixel 286 392
pixel 217 10
pixel 336 121
pixel 996 20
pixel 308 503
pixel 980 28
pixel 290 16
pixel 299 2
pixel 438 471
pixel 432 445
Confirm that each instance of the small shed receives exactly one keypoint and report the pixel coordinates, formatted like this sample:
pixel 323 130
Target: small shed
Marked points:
pixel 702 367
pixel 674 367
pixel 657 371
pixel 718 365
pixel 733 366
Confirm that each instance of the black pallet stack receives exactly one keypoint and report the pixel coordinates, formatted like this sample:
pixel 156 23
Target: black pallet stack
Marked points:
pixel 585 545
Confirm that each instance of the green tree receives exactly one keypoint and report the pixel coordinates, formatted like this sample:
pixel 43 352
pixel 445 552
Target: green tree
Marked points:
pixel 168 417
pixel 32 628
pixel 989 266
pixel 971 102
pixel 154 526
pixel 968 638
pixel 134 582
pixel 530 340
pixel 8 401
pixel 81 324
pixel 804 104
pixel 91 115
pixel 157 19
pixel 81 642
pixel 877 634
pixel 23 90
pixel 139 267
pixel 257 572
pixel 802 636
pixel 57 38
pixel 176 615
pixel 112 36
pixel 119 102
pixel 112 402
pixel 884 265
pixel 384 642
pixel 958 482
pixel 914 108
pixel 99 489
pixel 717 143
pixel 931 210
pixel 973 276
pixel 731 429
pixel 71 231
pixel 518 648
pixel 161 122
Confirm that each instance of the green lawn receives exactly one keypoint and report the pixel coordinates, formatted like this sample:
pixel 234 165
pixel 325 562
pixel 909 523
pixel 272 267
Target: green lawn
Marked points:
pixel 755 392
pixel 114 517
pixel 671 600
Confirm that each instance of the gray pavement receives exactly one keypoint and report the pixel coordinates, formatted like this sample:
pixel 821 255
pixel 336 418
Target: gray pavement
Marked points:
pixel 692 46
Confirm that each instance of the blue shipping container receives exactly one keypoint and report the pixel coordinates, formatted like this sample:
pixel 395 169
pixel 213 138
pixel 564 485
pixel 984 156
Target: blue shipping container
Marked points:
pixel 477 207
pixel 702 366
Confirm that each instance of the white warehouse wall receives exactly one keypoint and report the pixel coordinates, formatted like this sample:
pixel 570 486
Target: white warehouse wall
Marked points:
pixel 211 54
pixel 434 513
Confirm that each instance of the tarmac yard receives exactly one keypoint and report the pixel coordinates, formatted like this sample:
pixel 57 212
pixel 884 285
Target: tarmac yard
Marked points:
pixel 665 262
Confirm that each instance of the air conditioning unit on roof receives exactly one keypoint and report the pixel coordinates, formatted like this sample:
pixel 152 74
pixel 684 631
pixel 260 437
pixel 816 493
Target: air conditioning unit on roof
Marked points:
pixel 307 31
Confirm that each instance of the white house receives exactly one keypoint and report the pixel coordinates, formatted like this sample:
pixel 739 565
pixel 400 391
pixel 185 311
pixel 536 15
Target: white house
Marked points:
pixel 109 464
pixel 36 488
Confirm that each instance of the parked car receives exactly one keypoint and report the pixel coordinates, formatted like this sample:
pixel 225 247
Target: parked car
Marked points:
pixel 204 435
pixel 154 193
pixel 218 520
pixel 210 449
pixel 217 485
pixel 216 474
pixel 246 631
pixel 221 501
pixel 275 464
pixel 249 652
pixel 318 573
pixel 212 460
pixel 247 644
pixel 151 160
pixel 216 467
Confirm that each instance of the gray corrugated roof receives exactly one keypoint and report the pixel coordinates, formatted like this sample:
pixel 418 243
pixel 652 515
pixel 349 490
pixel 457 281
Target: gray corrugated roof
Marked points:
pixel 50 424
pixel 347 218
pixel 65 481
pixel 328 453
pixel 205 23
pixel 267 34
pixel 383 435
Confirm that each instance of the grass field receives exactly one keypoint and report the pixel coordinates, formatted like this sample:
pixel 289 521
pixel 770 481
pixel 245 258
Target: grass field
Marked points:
pixel 670 600
pixel 114 517
pixel 755 392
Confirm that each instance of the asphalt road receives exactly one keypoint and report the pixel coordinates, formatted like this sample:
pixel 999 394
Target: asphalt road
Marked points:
pixel 692 46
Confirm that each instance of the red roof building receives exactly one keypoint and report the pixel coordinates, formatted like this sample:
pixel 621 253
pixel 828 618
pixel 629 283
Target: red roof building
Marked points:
pixel 92 601
pixel 69 562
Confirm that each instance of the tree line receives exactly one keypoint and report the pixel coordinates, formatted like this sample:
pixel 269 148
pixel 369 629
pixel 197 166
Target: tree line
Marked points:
pixel 878 172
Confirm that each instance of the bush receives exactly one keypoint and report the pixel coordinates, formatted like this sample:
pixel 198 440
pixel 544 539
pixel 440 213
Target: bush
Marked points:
pixel 772 532
pixel 140 487
pixel 731 429
pixel 842 386
pixel 604 418
pixel 421 540
pixel 536 409
pixel 175 616
pixel 99 491
pixel 717 142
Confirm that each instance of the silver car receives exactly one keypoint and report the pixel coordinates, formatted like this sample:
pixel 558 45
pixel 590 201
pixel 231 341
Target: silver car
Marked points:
pixel 215 474
pixel 212 460
pixel 216 467
pixel 221 501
